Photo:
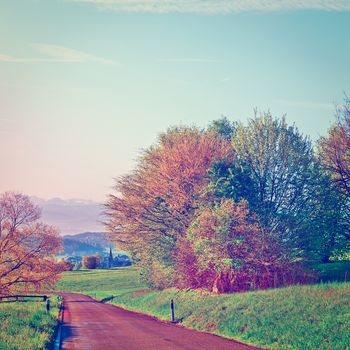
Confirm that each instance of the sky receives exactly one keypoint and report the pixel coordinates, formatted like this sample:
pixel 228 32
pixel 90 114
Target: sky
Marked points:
pixel 85 85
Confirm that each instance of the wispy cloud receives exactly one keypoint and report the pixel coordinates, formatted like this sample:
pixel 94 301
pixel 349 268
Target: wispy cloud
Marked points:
pixel 70 55
pixel 188 60
pixel 55 53
pixel 12 59
pixel 217 6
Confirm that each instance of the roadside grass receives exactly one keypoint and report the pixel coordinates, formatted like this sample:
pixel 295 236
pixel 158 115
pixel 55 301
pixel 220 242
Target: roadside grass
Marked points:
pixel 305 317
pixel 27 325
pixel 297 317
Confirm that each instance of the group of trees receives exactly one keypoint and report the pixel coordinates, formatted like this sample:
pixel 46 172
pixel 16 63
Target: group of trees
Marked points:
pixel 91 261
pixel 27 246
pixel 235 206
pixel 228 208
pixel 103 262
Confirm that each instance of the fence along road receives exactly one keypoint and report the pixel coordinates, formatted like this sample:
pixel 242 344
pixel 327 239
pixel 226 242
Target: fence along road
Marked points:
pixel 91 325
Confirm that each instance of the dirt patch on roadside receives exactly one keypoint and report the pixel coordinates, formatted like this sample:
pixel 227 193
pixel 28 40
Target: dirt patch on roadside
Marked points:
pixel 141 291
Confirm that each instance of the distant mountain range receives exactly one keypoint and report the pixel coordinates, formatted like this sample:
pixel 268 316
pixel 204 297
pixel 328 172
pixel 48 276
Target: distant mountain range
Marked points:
pixel 87 243
pixel 71 216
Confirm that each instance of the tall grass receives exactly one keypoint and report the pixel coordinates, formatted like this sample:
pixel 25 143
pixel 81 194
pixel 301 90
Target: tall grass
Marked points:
pixel 313 317
pixel 27 325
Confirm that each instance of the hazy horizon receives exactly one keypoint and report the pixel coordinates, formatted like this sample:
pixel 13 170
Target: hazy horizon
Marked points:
pixel 71 216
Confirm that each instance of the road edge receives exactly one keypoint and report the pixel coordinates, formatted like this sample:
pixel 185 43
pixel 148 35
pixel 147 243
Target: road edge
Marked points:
pixel 58 340
pixel 176 324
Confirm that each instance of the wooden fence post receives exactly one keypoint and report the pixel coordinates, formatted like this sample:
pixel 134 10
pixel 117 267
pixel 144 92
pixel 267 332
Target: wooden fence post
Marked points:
pixel 172 310
pixel 48 305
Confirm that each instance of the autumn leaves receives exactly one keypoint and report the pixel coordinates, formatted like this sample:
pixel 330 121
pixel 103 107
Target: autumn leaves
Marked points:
pixel 27 246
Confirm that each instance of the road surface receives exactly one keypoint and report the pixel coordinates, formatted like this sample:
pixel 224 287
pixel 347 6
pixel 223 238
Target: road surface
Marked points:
pixel 91 325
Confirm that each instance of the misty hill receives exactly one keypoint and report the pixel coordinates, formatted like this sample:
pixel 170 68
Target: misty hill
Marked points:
pixel 72 215
pixel 87 243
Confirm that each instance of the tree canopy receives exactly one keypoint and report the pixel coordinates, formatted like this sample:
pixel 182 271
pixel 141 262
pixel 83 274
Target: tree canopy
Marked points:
pixel 334 154
pixel 228 208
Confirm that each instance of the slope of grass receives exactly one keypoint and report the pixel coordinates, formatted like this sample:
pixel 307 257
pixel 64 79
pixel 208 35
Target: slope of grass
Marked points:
pixel 313 317
pixel 101 283
pixel 27 325
pixel 297 317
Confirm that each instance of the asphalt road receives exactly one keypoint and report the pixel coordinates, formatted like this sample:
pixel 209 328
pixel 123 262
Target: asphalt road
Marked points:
pixel 91 325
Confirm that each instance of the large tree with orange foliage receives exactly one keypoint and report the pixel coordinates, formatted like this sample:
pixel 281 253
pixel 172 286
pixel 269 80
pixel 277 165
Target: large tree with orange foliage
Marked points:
pixel 155 204
pixel 27 246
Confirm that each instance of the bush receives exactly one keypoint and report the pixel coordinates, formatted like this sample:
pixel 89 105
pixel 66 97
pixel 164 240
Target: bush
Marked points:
pixel 91 262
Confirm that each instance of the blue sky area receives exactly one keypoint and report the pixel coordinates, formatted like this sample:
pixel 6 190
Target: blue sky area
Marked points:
pixel 85 84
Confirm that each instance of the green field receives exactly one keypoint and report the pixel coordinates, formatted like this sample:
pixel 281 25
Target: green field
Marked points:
pixel 297 317
pixel 27 325
pixel 101 283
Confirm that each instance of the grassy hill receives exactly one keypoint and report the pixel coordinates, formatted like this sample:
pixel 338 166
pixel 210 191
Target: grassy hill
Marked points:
pixel 87 243
pixel 95 239
pixel 297 317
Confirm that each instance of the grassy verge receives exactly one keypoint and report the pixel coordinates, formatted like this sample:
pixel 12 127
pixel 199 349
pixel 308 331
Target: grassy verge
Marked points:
pixel 27 325
pixel 298 317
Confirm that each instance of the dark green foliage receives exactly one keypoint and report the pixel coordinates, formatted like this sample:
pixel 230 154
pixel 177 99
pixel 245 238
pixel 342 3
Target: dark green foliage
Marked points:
pixel 224 127
pixel 324 219
pixel 232 180
pixel 280 162
pixel 275 171
pixel 91 261
pixel 337 271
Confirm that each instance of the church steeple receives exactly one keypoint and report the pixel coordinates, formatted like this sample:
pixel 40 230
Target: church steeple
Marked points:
pixel 110 258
